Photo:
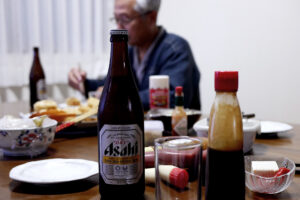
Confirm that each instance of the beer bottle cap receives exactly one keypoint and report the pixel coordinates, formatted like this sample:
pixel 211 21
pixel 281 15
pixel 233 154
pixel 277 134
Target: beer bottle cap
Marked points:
pixel 226 81
pixel 119 32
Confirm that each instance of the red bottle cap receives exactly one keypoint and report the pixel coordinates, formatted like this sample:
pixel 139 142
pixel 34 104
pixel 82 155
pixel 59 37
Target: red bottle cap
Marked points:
pixel 178 90
pixel 179 178
pixel 227 81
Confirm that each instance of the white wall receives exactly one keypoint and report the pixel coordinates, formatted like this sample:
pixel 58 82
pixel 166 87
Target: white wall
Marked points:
pixel 259 38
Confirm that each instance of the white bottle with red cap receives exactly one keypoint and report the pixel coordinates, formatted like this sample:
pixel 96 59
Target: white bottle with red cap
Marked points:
pixel 179 117
pixel 159 91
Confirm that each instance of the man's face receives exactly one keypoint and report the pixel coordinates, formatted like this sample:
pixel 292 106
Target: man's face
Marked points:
pixel 135 23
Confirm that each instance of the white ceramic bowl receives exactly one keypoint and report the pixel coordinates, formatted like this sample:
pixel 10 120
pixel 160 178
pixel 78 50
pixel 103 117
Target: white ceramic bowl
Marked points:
pixel 22 141
pixel 250 128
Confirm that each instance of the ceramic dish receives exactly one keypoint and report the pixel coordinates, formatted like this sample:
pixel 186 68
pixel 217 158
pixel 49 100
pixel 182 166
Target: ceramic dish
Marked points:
pixel 250 128
pixel 26 141
pixel 268 127
pixel 52 171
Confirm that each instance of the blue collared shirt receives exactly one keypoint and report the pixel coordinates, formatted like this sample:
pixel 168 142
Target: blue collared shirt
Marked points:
pixel 139 66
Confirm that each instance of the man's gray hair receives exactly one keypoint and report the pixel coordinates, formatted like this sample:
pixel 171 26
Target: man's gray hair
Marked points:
pixel 144 6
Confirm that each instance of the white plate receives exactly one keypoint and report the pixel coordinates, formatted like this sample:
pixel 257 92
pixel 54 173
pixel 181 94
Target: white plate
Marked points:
pixel 274 127
pixel 54 171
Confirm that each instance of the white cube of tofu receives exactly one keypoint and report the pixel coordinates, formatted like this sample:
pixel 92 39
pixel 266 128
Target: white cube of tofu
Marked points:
pixel 264 168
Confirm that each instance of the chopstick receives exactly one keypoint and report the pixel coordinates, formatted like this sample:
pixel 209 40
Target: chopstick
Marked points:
pixel 248 116
pixel 76 119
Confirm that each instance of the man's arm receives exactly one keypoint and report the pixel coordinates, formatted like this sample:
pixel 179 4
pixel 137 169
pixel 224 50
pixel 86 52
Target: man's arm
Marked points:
pixel 92 85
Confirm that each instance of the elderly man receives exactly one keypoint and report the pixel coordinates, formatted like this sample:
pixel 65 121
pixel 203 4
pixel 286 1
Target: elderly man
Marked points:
pixel 152 51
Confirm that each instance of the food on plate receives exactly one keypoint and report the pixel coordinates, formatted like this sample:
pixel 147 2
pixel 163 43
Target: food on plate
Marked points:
pixel 93 102
pixel 74 108
pixel 56 114
pixel 44 105
pixel 282 171
pixel 73 101
pixel 39 120
pixel 264 168
pixel 9 122
pixel 268 169
pixel 84 108
pixel 171 174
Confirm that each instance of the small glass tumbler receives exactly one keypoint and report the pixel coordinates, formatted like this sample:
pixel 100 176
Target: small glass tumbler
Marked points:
pixel 177 167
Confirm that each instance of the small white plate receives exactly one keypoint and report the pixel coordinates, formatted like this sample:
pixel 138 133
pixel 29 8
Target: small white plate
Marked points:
pixel 54 171
pixel 274 127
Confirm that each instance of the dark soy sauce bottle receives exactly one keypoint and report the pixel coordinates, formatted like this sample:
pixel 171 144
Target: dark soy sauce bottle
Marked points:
pixel 225 171
pixel 120 128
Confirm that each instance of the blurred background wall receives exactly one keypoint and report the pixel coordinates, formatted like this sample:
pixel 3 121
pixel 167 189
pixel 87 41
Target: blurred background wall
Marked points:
pixel 259 38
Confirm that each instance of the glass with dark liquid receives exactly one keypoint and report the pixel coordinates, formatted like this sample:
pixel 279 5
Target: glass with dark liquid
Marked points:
pixel 225 171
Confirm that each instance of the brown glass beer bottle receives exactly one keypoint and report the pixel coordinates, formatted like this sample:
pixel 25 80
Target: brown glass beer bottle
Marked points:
pixel 225 171
pixel 120 127
pixel 37 80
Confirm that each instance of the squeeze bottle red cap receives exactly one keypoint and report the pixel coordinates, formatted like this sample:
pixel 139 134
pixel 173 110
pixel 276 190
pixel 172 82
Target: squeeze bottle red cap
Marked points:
pixel 226 81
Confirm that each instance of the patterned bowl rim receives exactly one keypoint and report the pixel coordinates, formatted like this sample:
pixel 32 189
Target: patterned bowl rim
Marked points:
pixel 52 123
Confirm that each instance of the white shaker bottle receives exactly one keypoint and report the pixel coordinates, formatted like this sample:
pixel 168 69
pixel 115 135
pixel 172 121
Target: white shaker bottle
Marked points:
pixel 159 91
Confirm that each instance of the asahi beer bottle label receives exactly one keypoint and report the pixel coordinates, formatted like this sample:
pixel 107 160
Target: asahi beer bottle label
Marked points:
pixel 120 154
pixel 181 127
pixel 41 89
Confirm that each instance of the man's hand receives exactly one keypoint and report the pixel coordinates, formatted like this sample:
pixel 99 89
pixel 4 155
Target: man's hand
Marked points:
pixel 97 93
pixel 76 78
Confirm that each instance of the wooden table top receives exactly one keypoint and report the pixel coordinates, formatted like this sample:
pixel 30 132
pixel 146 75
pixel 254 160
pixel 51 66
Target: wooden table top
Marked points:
pixel 285 144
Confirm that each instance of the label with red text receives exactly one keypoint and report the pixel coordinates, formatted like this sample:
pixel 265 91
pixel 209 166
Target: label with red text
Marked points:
pixel 159 98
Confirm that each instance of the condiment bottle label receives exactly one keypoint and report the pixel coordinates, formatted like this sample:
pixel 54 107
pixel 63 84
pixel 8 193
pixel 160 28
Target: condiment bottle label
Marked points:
pixel 159 98
pixel 181 127
pixel 41 89
pixel 120 154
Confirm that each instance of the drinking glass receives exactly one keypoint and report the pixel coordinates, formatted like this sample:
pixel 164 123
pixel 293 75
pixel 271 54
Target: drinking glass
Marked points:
pixel 177 167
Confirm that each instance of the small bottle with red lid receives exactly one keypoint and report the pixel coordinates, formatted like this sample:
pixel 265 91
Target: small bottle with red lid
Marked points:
pixel 179 117
pixel 225 171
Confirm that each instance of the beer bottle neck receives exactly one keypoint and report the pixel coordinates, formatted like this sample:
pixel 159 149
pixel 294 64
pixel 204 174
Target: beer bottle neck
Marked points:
pixel 36 52
pixel 36 55
pixel 119 62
